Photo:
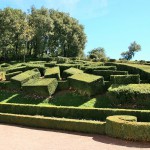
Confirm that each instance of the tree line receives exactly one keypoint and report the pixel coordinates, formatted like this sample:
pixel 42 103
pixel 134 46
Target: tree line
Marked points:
pixel 38 32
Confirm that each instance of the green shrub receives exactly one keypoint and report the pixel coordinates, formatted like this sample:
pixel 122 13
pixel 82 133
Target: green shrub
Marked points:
pixel 41 87
pixel 52 73
pixel 107 73
pixel 21 78
pixel 63 67
pixel 71 71
pixel 87 84
pixel 142 70
pixel 61 60
pixel 5 84
pixel 90 69
pixel 4 65
pixel 125 79
pixel 55 123
pixel 40 67
pixel 10 75
pixel 63 85
pixel 51 64
pixel 126 127
pixel 137 94
pixel 15 69
pixel 72 112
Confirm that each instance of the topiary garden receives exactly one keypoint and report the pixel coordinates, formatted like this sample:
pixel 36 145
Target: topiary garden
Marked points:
pixel 95 97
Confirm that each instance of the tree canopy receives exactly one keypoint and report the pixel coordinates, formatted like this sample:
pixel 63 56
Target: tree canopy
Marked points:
pixel 97 53
pixel 40 31
pixel 134 47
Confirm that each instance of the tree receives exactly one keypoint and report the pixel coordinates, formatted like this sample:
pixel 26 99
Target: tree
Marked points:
pixel 97 53
pixel 14 31
pixel 41 30
pixel 69 38
pixel 134 47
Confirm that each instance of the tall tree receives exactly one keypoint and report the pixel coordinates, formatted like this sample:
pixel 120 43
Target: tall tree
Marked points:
pixel 133 48
pixel 69 38
pixel 13 26
pixel 40 21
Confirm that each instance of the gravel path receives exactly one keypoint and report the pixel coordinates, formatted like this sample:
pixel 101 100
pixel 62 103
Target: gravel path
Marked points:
pixel 23 138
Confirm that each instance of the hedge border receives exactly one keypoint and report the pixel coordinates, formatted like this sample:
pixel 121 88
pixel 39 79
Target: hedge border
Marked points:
pixel 54 123
pixel 126 127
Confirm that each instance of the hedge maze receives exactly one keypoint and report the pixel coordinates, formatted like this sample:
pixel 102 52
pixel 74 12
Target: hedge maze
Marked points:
pixel 124 84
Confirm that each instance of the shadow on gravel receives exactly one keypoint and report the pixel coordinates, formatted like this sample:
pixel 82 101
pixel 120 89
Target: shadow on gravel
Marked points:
pixel 98 138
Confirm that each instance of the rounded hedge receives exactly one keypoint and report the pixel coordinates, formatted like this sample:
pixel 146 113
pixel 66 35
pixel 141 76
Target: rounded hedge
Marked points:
pixel 127 127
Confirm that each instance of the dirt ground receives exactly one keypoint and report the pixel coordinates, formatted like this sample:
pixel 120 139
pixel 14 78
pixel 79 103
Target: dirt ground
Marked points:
pixel 24 138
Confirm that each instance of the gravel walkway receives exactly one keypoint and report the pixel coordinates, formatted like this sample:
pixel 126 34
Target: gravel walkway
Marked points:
pixel 23 138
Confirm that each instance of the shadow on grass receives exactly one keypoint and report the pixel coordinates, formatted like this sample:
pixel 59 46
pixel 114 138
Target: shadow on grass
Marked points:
pixel 68 99
pixel 22 99
pixel 102 101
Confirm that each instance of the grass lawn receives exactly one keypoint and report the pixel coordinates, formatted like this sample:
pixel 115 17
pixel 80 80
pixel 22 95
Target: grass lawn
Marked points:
pixel 64 98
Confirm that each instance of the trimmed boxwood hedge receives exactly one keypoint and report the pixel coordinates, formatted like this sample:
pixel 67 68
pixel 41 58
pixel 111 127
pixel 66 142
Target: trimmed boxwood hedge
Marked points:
pixel 90 69
pixel 15 69
pixel 126 127
pixel 70 71
pixel 22 78
pixel 63 85
pixel 137 94
pixel 63 67
pixel 10 75
pixel 55 123
pixel 142 70
pixel 87 84
pixel 51 64
pixel 53 72
pixel 72 112
pixel 41 87
pixel 125 79
pixel 107 73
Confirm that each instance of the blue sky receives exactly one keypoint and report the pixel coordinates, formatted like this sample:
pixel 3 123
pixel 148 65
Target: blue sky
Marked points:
pixel 112 24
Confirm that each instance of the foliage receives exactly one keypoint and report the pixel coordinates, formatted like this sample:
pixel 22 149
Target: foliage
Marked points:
pixel 134 47
pixel 41 31
pixel 87 84
pixel 40 87
pixel 127 127
pixel 97 53
pixel 135 94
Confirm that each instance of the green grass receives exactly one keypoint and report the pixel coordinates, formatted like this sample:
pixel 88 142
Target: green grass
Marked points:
pixel 66 98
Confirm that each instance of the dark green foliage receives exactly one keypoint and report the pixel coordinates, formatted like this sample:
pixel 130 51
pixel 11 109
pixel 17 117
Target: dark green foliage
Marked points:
pixel 87 84
pixel 63 85
pixel 63 67
pixel 51 64
pixel 106 73
pixel 136 94
pixel 5 84
pixel 52 73
pixel 70 71
pixel 55 123
pixel 4 65
pixel 9 75
pixel 15 69
pixel 90 69
pixel 125 79
pixel 126 127
pixel 73 112
pixel 21 78
pixel 40 67
pixel 62 60
pixel 41 87
pixel 142 70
